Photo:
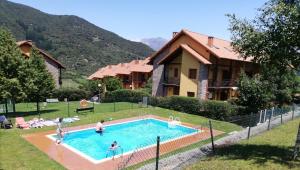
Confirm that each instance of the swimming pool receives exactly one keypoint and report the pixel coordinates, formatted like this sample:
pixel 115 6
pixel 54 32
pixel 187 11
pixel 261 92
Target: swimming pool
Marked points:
pixel 129 135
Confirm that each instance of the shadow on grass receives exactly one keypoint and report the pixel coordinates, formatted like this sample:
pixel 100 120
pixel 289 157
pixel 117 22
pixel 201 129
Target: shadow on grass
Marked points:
pixel 260 154
pixel 30 113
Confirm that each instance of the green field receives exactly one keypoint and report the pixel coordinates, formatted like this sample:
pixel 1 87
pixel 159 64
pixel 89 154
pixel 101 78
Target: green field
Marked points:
pixel 16 153
pixel 270 150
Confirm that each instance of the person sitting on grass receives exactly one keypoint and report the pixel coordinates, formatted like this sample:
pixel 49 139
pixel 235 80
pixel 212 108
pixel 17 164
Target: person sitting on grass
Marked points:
pixel 59 131
pixel 100 127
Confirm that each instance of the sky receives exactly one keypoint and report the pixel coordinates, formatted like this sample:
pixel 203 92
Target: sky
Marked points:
pixel 137 19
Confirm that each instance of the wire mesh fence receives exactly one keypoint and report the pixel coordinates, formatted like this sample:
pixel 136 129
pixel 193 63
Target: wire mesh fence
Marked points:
pixel 65 109
pixel 159 153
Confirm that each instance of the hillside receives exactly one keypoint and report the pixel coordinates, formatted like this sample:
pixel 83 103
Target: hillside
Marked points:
pixel 81 46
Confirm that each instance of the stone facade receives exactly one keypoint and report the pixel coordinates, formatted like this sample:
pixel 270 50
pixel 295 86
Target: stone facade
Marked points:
pixel 202 82
pixel 52 65
pixel 158 77
pixel 54 71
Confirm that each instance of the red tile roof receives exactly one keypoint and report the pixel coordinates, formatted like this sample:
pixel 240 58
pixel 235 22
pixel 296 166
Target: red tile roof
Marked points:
pixel 29 42
pixel 220 48
pixel 188 49
pixel 122 69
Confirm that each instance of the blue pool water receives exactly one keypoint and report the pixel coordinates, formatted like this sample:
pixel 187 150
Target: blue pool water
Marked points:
pixel 129 136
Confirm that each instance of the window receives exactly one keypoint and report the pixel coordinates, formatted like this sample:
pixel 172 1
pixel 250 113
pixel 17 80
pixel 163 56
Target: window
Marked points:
pixel 191 94
pixel 176 72
pixel 193 73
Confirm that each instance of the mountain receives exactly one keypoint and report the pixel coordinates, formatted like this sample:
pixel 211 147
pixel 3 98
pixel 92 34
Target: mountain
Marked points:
pixel 79 45
pixel 154 43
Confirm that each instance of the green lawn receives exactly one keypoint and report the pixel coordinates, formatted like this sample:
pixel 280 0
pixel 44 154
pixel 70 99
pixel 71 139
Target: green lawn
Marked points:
pixel 270 150
pixel 54 110
pixel 16 153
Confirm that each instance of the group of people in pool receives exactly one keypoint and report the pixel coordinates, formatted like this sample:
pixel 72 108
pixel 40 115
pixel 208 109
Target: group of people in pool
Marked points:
pixel 99 129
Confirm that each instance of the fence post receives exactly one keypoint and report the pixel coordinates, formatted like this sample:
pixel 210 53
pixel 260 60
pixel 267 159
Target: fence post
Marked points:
pixel 157 152
pixel 260 116
pixel 6 107
pixel 281 112
pixel 93 107
pixel 270 117
pixel 212 137
pixel 293 111
pixel 68 107
pixel 114 106
pixel 265 117
pixel 249 129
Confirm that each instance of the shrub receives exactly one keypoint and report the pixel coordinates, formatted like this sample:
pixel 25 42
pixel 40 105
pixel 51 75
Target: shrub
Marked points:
pixel 112 83
pixel 208 108
pixel 71 93
pixel 220 110
pixel 125 95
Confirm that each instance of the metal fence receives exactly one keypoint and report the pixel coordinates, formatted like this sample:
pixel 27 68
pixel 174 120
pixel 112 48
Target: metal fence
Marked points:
pixel 158 152
pixel 63 109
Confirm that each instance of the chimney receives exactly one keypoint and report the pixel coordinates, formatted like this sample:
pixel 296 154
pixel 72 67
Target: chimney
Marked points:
pixel 210 41
pixel 174 34
pixel 109 66
pixel 136 62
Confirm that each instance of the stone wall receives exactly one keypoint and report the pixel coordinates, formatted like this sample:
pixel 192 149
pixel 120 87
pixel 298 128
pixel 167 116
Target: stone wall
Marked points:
pixel 202 81
pixel 54 70
pixel 158 75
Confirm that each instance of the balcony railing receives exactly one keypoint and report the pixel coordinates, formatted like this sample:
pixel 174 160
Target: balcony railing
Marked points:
pixel 223 83
pixel 175 81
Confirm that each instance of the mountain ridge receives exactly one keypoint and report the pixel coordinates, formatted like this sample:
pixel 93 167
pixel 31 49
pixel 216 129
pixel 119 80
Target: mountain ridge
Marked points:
pixel 78 44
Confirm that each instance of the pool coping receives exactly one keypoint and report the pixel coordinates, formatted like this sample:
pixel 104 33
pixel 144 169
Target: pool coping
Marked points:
pixel 126 153
pixel 70 158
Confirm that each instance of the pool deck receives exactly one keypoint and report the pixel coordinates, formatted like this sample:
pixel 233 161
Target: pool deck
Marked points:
pixel 74 161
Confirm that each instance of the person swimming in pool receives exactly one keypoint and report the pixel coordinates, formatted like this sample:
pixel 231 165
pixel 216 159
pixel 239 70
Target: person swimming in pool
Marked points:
pixel 114 146
pixel 100 127
pixel 59 131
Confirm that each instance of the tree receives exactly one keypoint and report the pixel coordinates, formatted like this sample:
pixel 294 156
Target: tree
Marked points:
pixel 112 83
pixel 253 92
pixel 11 61
pixel 273 37
pixel 92 86
pixel 36 80
pixel 272 40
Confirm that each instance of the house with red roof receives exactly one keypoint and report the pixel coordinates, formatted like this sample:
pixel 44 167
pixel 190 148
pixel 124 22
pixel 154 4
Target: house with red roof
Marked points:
pixel 197 65
pixel 133 74
pixel 52 65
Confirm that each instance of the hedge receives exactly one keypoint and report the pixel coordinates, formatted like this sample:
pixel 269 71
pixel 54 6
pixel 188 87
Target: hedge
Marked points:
pixel 71 93
pixel 219 110
pixel 125 95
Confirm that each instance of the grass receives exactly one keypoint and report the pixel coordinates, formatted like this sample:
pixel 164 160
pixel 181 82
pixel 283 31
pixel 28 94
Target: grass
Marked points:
pixel 270 150
pixel 16 153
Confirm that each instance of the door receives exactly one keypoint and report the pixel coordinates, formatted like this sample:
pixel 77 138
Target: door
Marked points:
pixel 170 91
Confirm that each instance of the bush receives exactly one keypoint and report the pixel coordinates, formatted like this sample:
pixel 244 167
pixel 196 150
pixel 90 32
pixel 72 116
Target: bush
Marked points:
pixel 219 110
pixel 208 108
pixel 125 95
pixel 112 83
pixel 71 93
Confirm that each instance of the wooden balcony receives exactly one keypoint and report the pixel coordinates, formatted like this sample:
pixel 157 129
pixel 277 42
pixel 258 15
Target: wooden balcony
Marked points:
pixel 223 83
pixel 172 81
